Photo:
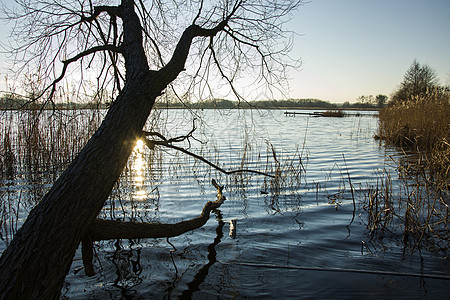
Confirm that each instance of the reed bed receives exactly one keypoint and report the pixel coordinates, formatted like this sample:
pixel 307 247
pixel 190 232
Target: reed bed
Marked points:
pixel 423 126
pixel 35 147
pixel 34 141
pixel 422 123
pixel 410 210
pixel 419 128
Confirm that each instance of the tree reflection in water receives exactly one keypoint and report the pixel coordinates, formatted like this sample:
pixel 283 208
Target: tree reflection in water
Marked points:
pixel 199 278
pixel 128 268
pixel 127 264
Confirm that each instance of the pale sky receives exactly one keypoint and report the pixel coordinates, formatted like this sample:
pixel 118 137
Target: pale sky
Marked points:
pixel 351 48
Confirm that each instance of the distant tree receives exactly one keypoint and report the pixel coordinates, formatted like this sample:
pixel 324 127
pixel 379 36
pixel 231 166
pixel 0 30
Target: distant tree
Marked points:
pixel 12 101
pixel 417 81
pixel 381 100
pixel 213 103
pixel 223 103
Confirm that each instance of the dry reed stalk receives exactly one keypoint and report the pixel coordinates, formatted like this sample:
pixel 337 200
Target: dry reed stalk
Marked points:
pixel 418 212
pixel 34 147
pixel 7 158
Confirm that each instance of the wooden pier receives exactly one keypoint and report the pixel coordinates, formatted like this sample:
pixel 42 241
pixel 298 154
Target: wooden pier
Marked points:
pixel 336 114
pixel 328 113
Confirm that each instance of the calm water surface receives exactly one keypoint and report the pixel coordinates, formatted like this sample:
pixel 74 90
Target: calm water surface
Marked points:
pixel 305 238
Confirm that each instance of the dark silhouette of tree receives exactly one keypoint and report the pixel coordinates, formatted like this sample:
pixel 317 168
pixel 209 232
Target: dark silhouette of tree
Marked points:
pixel 417 82
pixel 138 50
pixel 381 100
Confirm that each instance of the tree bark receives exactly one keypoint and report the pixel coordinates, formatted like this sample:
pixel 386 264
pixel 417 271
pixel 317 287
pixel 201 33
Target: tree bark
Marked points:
pixel 37 260
pixel 39 257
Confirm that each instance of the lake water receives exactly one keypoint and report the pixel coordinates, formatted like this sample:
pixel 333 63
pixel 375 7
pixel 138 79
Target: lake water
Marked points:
pixel 303 236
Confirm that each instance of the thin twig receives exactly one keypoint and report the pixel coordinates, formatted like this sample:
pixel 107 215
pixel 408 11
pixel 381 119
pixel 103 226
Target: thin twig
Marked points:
pixel 351 189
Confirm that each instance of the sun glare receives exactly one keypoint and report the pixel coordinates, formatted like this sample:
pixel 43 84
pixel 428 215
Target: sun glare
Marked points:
pixel 139 145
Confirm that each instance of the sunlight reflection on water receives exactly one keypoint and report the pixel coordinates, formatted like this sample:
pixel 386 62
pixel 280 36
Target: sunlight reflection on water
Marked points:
pixel 138 167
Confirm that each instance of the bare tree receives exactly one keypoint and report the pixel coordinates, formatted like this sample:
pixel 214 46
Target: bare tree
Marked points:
pixel 418 80
pixel 138 50
pixel 381 100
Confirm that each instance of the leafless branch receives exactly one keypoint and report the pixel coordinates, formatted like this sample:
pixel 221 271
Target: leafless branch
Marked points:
pixel 169 144
pixel 249 44
pixel 66 63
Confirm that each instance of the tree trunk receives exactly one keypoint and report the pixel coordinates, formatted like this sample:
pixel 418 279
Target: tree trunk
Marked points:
pixel 39 257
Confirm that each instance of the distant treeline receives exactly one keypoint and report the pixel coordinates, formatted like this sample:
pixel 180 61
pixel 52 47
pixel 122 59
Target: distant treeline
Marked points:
pixel 268 104
pixel 13 102
pixel 9 102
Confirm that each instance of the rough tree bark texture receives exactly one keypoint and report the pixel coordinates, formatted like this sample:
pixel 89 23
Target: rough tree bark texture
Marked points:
pixel 37 260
